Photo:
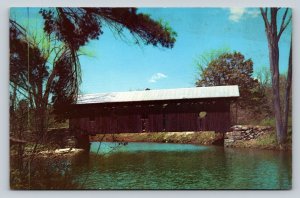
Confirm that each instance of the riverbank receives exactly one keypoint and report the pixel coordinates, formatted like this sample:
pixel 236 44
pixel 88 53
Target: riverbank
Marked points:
pixel 45 152
pixel 254 136
pixel 202 138
pixel 63 152
pixel 265 140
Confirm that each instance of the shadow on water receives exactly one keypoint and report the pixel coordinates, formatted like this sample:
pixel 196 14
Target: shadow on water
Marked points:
pixel 167 166
pixel 52 172
pixel 177 166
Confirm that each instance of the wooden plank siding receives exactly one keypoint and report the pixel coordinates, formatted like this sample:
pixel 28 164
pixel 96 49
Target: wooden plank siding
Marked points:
pixel 155 116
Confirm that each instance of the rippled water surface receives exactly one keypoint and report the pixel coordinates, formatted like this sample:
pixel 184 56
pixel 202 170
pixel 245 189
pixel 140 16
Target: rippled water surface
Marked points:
pixel 181 166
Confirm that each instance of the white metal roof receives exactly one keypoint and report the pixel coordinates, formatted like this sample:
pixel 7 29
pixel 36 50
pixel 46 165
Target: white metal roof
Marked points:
pixel 162 94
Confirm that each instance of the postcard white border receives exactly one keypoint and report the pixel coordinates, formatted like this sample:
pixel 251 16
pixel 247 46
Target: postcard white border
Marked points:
pixel 4 96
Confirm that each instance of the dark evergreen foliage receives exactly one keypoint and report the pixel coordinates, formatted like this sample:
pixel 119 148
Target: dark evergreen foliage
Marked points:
pixel 76 26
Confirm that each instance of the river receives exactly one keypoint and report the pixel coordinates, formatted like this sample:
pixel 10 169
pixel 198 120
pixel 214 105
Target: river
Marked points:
pixel 163 166
pixel 181 166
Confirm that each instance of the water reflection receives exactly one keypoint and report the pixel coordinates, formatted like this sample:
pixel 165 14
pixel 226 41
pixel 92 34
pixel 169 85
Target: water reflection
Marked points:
pixel 257 169
pixel 113 147
pixel 173 166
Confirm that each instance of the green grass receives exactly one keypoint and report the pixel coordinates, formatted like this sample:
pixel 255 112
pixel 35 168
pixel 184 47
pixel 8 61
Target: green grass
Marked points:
pixel 268 139
pixel 271 139
pixel 271 122
pixel 268 122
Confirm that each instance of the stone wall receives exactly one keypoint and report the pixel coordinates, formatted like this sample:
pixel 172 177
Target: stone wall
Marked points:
pixel 244 133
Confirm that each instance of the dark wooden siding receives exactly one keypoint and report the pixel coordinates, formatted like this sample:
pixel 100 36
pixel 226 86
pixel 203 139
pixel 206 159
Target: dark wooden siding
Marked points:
pixel 170 116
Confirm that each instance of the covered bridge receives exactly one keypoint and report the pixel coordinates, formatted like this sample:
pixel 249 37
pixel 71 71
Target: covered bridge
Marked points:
pixel 170 110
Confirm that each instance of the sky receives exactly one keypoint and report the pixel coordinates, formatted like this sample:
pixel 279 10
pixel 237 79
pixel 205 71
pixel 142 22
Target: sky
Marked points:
pixel 114 64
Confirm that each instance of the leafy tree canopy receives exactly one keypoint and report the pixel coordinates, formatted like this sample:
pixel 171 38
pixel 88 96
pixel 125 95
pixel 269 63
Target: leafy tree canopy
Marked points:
pixel 232 69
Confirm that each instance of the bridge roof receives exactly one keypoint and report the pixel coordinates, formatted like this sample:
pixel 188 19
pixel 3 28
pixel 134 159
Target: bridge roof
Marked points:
pixel 229 91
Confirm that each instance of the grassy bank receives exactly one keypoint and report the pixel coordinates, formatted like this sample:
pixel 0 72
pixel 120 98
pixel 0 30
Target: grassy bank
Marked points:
pixel 268 140
pixel 203 138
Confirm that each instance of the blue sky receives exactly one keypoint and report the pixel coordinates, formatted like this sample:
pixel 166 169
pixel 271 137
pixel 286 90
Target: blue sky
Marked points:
pixel 118 65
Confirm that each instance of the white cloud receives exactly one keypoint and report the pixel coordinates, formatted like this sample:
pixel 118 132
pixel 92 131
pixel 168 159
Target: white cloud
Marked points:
pixel 155 77
pixel 253 12
pixel 236 14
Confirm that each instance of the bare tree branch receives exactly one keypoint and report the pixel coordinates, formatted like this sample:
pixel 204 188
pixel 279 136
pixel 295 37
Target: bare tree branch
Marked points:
pixel 284 23
pixel 283 18
pixel 265 17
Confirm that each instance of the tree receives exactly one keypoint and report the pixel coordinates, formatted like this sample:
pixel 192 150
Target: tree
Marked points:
pixel 233 69
pixel 35 75
pixel 274 34
pixel 77 26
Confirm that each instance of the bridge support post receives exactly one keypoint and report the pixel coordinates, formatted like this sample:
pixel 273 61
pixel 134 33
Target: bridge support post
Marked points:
pixel 83 142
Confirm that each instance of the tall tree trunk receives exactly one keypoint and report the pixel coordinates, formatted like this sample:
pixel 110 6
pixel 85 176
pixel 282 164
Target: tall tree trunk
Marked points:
pixel 274 65
pixel 273 48
pixel 287 93
pixel 273 35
